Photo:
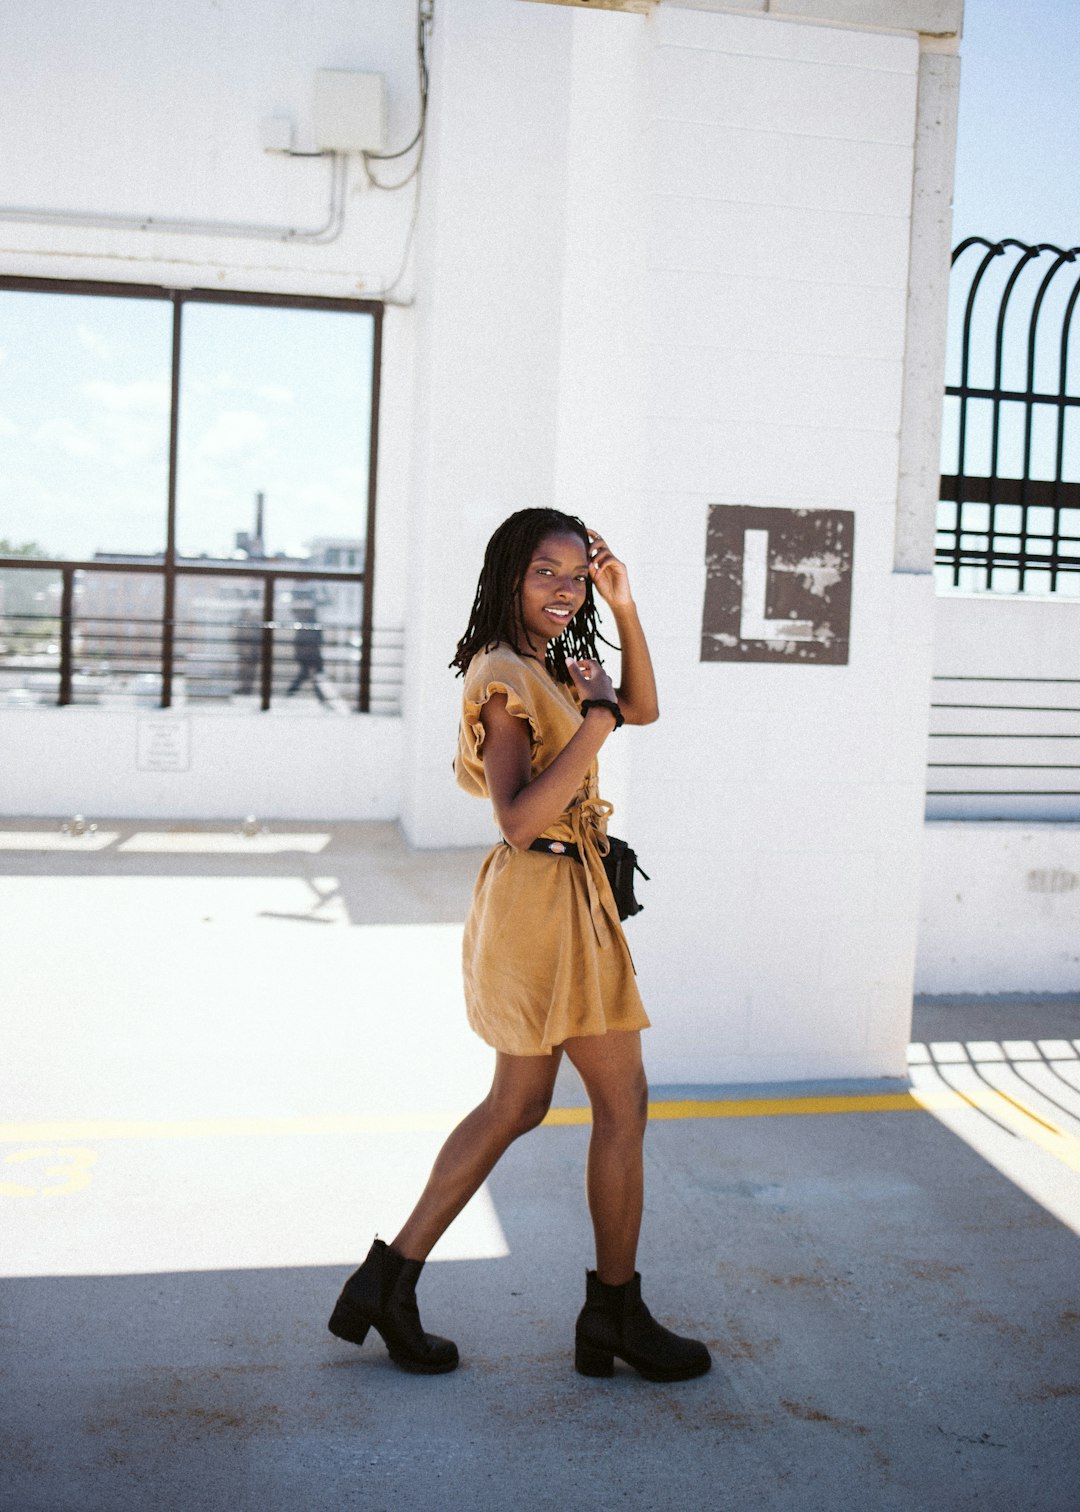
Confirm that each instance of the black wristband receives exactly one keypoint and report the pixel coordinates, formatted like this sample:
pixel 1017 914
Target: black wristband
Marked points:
pixel 604 703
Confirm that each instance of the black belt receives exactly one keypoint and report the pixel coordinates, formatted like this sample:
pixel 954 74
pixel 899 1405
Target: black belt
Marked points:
pixel 557 848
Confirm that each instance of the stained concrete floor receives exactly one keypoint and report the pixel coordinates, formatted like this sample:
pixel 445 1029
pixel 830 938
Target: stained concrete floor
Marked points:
pixel 229 1061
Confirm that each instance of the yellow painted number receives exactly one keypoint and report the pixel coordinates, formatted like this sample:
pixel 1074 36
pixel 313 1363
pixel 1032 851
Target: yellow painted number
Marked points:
pixel 68 1170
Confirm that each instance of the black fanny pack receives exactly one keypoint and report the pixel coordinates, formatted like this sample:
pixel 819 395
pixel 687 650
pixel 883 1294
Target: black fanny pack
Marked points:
pixel 620 863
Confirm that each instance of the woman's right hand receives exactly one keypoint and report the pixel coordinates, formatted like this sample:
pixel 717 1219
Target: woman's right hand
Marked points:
pixel 591 680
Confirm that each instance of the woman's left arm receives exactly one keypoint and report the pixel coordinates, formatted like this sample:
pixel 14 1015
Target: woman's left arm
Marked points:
pixel 637 688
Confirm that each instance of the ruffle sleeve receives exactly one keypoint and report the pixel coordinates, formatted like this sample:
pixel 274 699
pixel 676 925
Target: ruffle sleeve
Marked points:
pixel 479 690
pixel 492 672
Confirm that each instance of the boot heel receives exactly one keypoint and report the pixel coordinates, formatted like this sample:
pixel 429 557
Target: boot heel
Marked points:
pixel 345 1324
pixel 381 1295
pixel 618 1314
pixel 591 1361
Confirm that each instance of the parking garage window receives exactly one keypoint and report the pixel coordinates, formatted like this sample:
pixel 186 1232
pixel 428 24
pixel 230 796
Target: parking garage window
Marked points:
pixel 187 497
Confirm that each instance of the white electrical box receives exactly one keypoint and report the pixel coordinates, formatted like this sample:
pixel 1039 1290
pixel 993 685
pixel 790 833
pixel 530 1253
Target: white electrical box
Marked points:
pixel 277 134
pixel 350 111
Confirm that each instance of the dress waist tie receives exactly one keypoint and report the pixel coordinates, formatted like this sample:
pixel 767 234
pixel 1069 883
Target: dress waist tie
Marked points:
pixel 585 824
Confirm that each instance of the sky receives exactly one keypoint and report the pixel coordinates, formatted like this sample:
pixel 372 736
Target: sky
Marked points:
pixel 271 400
pixel 1018 136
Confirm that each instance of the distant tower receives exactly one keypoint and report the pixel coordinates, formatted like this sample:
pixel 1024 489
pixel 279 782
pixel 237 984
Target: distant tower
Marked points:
pixel 252 546
pixel 257 547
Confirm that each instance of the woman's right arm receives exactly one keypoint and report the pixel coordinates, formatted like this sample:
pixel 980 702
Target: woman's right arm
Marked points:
pixel 524 808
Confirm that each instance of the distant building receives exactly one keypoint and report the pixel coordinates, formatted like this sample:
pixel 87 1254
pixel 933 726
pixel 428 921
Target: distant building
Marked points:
pixel 118 615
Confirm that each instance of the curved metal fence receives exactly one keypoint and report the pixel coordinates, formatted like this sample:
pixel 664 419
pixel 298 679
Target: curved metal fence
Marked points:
pixel 1009 517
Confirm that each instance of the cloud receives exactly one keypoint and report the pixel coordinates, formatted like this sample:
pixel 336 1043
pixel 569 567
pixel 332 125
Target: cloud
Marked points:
pixel 326 501
pixel 276 393
pixel 131 419
pixel 234 435
pixel 8 426
pixel 351 478
pixel 66 436
pixel 225 382
pixel 93 341
pixel 145 396
pixel 125 437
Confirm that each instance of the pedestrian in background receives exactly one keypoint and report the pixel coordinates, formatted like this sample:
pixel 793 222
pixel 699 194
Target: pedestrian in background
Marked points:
pixel 307 648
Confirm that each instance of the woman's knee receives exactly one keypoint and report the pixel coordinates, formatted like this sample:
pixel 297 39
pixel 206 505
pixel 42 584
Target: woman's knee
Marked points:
pixel 518 1115
pixel 623 1110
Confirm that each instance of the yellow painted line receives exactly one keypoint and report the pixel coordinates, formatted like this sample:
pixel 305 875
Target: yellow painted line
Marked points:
pixel 226 1128
pixel 1022 1107
pixel 760 1107
pixel 1019 1118
pixel 407 1123
pixel 1014 1114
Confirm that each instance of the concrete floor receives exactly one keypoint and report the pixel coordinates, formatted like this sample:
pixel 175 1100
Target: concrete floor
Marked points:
pixel 229 1061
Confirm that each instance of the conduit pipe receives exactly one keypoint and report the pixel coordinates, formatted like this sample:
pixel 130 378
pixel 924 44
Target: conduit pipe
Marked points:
pixel 321 235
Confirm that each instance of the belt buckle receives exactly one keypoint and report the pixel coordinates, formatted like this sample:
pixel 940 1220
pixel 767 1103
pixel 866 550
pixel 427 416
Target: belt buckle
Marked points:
pixel 556 847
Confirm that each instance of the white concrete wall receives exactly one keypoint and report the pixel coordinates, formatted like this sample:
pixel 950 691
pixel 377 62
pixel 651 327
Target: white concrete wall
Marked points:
pixel 1006 635
pixel 701 299
pixel 780 931
pixel 1000 908
pixel 60 762
pixel 1032 642
pixel 121 108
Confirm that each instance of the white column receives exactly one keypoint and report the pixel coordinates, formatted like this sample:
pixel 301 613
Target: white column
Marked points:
pixel 778 806
pixel 602 352
pixel 927 311
pixel 489 273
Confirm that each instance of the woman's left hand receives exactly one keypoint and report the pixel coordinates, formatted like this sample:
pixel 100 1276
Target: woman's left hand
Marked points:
pixel 610 577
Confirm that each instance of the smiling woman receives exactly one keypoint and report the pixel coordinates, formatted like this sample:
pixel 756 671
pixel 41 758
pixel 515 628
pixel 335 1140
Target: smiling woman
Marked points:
pixel 546 967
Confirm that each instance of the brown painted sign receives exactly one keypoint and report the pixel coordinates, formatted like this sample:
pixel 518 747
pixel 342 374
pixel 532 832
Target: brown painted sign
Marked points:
pixel 778 584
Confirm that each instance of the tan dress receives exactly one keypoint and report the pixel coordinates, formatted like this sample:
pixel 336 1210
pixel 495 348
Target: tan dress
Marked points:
pixel 544 954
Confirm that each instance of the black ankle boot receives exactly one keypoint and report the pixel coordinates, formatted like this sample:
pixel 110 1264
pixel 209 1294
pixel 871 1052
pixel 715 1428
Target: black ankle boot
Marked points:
pixel 382 1295
pixel 615 1321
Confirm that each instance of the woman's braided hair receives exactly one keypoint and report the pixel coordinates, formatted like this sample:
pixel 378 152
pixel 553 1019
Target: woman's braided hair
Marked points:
pixel 496 610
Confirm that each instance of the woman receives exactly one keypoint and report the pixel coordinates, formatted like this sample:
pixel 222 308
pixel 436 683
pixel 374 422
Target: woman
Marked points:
pixel 546 967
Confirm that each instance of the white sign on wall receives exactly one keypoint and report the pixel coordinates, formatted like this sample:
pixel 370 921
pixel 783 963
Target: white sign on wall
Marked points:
pixel 164 743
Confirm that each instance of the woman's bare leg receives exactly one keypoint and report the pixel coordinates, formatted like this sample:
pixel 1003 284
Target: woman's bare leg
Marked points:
pixel 614 1077
pixel 519 1098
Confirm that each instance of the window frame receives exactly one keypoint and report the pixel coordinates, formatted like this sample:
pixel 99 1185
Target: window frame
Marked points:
pixel 172 566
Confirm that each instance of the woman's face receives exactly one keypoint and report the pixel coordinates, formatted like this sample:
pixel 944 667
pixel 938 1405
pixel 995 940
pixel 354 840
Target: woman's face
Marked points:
pixel 553 588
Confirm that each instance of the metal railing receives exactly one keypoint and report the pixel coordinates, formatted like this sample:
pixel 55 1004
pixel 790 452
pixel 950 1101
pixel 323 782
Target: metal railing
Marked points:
pixel 253 650
pixel 1011 527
